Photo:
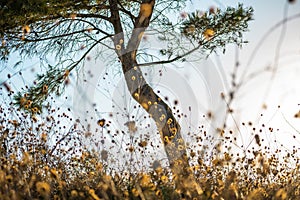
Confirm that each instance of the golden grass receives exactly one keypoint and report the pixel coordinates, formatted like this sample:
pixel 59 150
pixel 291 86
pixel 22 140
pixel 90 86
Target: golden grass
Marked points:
pixel 30 168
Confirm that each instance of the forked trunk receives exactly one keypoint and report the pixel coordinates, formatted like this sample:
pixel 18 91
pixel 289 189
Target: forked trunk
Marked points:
pixel 159 111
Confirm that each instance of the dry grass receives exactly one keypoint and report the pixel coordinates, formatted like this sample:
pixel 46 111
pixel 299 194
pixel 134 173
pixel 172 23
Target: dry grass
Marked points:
pixel 32 168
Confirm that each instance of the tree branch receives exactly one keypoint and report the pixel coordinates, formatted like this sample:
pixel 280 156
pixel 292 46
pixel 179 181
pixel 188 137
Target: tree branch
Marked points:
pixel 85 54
pixel 54 37
pixel 90 15
pixel 116 21
pixel 132 17
pixel 172 60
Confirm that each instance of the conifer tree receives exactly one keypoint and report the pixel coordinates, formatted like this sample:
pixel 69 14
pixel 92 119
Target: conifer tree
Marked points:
pixel 58 28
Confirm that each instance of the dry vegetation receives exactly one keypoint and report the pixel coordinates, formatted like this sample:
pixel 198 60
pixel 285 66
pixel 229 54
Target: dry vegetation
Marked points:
pixel 46 156
pixel 43 159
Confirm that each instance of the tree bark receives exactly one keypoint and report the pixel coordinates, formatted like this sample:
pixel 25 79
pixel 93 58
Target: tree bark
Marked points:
pixel 159 111
pixel 140 90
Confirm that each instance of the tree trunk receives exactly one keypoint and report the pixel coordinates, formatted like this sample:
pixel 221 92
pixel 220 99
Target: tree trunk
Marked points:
pixel 167 125
pixel 159 111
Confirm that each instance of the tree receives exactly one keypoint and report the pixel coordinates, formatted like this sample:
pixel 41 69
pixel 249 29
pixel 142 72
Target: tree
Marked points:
pixel 71 29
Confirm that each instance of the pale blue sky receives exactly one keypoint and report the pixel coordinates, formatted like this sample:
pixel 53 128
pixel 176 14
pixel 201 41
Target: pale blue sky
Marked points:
pixel 285 89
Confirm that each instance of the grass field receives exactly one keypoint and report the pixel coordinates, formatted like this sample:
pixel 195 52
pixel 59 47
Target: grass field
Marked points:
pixel 33 168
